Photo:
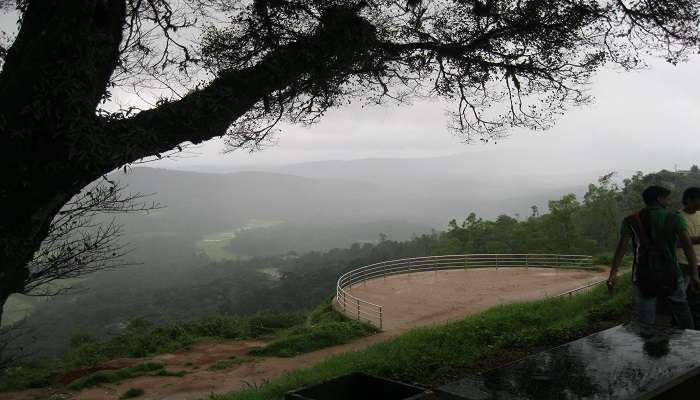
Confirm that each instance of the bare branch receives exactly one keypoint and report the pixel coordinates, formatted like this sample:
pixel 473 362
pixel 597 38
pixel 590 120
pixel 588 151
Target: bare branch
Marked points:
pixel 80 241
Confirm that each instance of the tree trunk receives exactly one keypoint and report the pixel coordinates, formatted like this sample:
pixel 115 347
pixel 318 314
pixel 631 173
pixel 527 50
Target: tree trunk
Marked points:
pixel 53 78
pixel 4 295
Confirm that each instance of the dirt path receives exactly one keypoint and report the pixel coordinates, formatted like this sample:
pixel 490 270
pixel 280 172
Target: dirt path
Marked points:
pixel 409 300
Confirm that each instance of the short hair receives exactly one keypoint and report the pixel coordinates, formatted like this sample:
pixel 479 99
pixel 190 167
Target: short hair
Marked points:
pixel 689 194
pixel 652 193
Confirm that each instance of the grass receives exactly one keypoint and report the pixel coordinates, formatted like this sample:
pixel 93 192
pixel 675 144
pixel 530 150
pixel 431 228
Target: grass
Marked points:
pixel 291 333
pixel 433 355
pixel 142 340
pixel 101 377
pixel 423 355
pixel 323 328
pixel 226 364
pixel 131 393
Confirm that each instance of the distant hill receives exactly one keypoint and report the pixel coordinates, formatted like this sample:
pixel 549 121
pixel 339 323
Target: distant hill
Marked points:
pixel 204 202
pixel 485 169
pixel 420 191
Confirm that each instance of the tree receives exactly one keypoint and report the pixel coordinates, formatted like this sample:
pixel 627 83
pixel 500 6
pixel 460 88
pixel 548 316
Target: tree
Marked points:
pixel 563 231
pixel 601 215
pixel 237 68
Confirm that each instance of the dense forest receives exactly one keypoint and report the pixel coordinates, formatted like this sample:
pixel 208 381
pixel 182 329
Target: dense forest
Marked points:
pixel 179 282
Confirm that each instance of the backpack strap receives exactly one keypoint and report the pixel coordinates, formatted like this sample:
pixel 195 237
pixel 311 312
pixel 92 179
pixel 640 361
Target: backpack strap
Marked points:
pixel 668 228
pixel 635 222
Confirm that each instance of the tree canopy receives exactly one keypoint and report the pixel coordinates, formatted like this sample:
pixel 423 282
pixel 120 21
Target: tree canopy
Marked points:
pixel 236 68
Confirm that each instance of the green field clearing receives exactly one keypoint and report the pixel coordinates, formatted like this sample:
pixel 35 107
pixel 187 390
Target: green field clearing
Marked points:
pixel 216 245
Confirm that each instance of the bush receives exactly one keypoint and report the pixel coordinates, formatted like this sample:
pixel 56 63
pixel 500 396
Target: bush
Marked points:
pixel 325 313
pixel 226 364
pixel 314 337
pixel 139 324
pixel 602 259
pixel 131 393
pixel 80 339
pixel 114 376
pixel 324 328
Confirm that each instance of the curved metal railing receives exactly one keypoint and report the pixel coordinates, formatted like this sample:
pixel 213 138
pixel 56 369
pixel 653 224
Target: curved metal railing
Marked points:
pixel 363 310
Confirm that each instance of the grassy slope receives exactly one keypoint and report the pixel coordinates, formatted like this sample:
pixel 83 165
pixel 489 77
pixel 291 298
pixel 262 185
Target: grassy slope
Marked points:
pixel 432 355
pixel 134 371
pixel 292 333
pixel 324 328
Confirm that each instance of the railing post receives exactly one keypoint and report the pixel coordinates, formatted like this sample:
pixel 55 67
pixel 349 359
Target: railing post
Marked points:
pixel 358 309
pixel 527 261
pixel 380 318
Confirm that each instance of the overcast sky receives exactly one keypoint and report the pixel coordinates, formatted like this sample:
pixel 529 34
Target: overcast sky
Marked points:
pixel 644 120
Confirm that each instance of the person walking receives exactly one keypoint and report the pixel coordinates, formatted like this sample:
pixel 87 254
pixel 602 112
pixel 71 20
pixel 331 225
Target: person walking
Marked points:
pixel 691 214
pixel 655 233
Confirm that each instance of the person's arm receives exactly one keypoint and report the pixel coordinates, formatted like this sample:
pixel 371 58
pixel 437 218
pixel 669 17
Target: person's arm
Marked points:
pixel 686 243
pixel 620 251
pixel 693 240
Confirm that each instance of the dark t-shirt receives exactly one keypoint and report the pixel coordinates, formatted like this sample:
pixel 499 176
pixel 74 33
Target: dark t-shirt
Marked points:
pixel 658 217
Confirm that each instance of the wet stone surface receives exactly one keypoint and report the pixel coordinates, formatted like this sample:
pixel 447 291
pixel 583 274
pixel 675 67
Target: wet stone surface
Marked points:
pixel 624 362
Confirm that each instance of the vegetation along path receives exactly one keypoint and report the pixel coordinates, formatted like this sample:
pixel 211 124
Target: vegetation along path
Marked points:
pixel 413 300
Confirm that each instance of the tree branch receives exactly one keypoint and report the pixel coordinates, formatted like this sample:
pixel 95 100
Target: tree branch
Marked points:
pixel 209 112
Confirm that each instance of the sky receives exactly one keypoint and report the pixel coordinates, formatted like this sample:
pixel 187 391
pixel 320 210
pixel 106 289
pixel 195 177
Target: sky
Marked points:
pixel 642 120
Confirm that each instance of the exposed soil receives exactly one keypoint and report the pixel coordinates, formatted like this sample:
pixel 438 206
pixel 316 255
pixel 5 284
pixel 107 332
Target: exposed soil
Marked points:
pixel 409 300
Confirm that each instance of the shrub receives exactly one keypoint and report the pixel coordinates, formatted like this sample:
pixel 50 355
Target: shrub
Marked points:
pixel 131 393
pixel 80 339
pixel 114 376
pixel 226 364
pixel 324 328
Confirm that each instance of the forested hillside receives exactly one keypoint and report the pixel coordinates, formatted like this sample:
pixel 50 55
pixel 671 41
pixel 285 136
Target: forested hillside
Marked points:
pixel 179 282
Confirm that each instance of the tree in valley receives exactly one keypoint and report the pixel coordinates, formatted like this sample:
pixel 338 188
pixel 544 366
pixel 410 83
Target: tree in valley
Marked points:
pixel 235 69
pixel 600 214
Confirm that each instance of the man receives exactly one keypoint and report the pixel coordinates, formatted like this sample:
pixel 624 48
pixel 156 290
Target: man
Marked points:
pixel 656 273
pixel 691 206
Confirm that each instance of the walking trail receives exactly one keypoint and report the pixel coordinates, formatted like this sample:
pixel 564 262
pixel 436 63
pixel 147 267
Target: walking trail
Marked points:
pixel 409 301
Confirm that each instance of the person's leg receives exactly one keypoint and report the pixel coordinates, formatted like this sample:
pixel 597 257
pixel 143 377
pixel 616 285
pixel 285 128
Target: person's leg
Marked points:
pixel 680 309
pixel 646 309
pixel 686 282
pixel 694 305
pixel 692 298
